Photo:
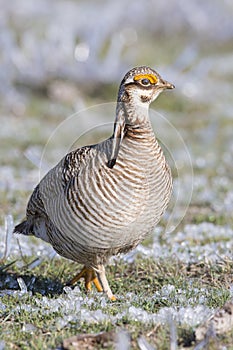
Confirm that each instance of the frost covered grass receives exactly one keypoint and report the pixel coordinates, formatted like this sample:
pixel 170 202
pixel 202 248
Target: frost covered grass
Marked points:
pixel 152 296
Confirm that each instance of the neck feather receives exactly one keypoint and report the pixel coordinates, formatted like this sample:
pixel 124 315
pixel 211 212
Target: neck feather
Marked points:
pixel 136 115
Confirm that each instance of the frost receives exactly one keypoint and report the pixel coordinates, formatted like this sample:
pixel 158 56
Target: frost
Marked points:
pixel 191 316
pixel 144 345
pixel 123 340
pixel 205 241
pixel 231 290
pixel 167 290
pixel 62 322
pixel 26 307
pixel 72 308
pixel 228 202
pixel 67 305
pixel 22 285
pixel 29 328
pixel 2 307
pixel 9 226
pixel 138 314
pixel 15 243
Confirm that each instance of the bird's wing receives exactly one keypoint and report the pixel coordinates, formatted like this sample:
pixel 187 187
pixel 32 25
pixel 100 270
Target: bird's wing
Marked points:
pixel 56 181
pixel 73 162
pixel 35 205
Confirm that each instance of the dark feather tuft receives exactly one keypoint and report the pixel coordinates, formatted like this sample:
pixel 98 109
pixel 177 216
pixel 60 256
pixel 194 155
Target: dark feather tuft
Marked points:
pixel 22 228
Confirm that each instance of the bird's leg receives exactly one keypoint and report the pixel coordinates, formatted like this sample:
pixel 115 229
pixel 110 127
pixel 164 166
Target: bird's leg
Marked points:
pixel 104 282
pixel 89 275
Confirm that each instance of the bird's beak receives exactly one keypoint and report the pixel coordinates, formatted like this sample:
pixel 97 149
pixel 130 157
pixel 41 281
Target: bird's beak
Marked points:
pixel 166 85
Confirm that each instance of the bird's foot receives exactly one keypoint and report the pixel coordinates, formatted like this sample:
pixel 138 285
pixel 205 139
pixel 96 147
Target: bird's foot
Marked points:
pixel 97 277
pixel 89 276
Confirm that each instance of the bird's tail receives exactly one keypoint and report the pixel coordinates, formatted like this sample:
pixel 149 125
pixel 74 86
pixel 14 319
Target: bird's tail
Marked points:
pixel 23 228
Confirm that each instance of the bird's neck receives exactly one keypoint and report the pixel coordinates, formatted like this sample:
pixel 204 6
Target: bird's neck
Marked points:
pixel 137 121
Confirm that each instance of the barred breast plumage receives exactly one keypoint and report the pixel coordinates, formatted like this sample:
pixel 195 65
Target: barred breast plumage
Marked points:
pixel 103 199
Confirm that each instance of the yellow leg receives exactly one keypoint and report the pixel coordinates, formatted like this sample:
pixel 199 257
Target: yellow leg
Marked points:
pixel 90 277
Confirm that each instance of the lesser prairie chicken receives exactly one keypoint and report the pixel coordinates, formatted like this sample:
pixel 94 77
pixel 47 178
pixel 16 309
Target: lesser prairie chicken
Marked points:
pixel 103 199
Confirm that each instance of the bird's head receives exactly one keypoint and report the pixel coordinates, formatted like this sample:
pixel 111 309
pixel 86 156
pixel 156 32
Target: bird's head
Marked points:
pixel 141 86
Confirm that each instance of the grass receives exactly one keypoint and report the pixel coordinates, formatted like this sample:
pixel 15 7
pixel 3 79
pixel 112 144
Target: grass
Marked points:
pixel 142 284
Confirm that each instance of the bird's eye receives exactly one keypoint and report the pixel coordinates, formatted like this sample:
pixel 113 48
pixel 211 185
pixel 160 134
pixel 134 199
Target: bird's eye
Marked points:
pixel 145 82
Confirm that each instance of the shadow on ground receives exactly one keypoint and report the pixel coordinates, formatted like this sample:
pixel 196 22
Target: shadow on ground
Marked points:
pixel 42 285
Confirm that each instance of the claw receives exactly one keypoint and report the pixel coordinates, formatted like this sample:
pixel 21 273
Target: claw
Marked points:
pixel 90 277
pixel 97 277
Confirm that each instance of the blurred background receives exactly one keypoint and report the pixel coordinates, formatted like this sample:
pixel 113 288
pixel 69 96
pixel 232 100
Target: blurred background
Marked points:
pixel 61 57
